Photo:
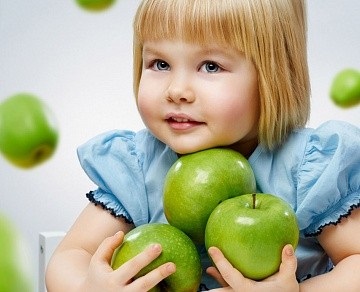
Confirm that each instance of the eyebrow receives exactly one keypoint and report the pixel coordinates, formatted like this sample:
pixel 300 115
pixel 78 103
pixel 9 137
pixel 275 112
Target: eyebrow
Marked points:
pixel 147 49
pixel 151 52
pixel 222 50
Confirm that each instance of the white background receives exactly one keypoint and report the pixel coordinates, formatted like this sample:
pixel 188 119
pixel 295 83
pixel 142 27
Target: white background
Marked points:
pixel 80 63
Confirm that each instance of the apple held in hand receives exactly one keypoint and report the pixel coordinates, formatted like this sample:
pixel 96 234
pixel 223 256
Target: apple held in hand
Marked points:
pixel 251 231
pixel 176 247
pixel 15 268
pixel 28 135
pixel 198 182
pixel 345 88
pixel 95 5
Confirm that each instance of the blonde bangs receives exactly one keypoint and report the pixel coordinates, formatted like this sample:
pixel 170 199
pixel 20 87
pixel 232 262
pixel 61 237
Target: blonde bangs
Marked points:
pixel 194 21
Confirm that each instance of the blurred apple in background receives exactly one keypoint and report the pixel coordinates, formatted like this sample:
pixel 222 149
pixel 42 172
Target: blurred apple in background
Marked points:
pixel 198 182
pixel 345 88
pixel 15 269
pixel 95 5
pixel 251 231
pixel 28 131
pixel 176 247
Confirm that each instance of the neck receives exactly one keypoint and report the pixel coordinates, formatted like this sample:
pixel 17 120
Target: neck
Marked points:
pixel 245 148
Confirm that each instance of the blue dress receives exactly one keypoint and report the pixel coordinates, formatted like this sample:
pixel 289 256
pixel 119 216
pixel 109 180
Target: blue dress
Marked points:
pixel 317 171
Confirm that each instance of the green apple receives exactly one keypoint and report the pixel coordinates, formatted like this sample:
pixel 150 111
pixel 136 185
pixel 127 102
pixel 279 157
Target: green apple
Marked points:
pixel 251 231
pixel 345 88
pixel 198 182
pixel 15 269
pixel 95 5
pixel 177 247
pixel 28 132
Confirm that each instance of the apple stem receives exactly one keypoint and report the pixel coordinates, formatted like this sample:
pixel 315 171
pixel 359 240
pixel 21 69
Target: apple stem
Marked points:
pixel 254 200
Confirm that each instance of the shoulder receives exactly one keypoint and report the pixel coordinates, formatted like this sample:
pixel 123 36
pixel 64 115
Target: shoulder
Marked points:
pixel 123 164
pixel 317 171
pixel 329 135
pixel 332 139
pixel 329 178
pixel 330 148
pixel 119 144
pixel 333 135
pixel 121 152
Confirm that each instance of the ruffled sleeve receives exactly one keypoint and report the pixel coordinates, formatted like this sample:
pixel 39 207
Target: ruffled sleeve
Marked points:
pixel 329 176
pixel 111 161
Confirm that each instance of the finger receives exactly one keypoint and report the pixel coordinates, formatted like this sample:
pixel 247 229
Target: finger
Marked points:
pixel 229 274
pixel 213 272
pixel 288 264
pixel 129 269
pixel 151 279
pixel 106 249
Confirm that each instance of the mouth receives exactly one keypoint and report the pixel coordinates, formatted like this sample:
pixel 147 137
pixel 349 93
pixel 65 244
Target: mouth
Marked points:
pixel 182 122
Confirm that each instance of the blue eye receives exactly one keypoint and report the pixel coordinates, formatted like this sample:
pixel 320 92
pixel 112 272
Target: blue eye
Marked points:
pixel 161 65
pixel 211 67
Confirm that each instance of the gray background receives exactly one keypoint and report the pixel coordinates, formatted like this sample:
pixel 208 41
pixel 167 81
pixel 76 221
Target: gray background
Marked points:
pixel 80 64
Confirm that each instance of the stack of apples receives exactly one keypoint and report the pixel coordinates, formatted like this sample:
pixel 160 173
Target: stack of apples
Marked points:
pixel 210 198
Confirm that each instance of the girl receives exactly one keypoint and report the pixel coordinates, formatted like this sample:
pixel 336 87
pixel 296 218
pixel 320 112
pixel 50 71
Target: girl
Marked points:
pixel 220 73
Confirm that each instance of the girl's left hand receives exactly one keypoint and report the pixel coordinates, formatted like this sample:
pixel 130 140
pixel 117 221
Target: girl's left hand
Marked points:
pixel 232 280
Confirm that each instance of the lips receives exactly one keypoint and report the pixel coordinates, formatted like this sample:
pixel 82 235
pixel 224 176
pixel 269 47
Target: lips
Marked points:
pixel 181 121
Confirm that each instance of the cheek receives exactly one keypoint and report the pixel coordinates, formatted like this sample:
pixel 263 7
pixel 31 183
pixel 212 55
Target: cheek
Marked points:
pixel 142 104
pixel 149 105
pixel 233 114
pixel 144 108
pixel 237 105
pixel 144 98
pixel 239 113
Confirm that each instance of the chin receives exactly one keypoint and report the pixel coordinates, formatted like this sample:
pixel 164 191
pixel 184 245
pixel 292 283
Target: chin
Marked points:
pixel 188 150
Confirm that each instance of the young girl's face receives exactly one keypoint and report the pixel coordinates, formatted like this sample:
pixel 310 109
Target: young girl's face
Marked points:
pixel 193 97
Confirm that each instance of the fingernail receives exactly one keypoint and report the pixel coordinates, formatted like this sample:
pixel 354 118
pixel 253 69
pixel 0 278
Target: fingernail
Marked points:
pixel 171 268
pixel 289 251
pixel 211 251
pixel 156 247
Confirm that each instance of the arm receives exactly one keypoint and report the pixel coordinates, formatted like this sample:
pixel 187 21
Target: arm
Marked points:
pixel 69 264
pixel 81 262
pixel 342 243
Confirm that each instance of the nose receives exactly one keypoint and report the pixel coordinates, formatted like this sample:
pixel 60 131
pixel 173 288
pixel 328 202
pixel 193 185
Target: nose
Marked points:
pixel 180 90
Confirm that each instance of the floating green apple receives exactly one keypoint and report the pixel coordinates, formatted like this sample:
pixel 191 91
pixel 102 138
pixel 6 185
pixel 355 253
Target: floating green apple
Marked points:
pixel 15 270
pixel 28 134
pixel 345 88
pixel 251 231
pixel 198 182
pixel 176 247
pixel 95 5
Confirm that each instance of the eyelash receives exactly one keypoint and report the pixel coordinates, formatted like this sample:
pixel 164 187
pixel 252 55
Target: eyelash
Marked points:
pixel 155 65
pixel 206 65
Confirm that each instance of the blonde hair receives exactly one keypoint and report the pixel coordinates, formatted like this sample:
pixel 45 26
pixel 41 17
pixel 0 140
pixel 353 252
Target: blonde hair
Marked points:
pixel 272 34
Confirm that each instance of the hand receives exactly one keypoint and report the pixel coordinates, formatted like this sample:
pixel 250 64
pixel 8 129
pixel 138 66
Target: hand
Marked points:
pixel 101 277
pixel 232 280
